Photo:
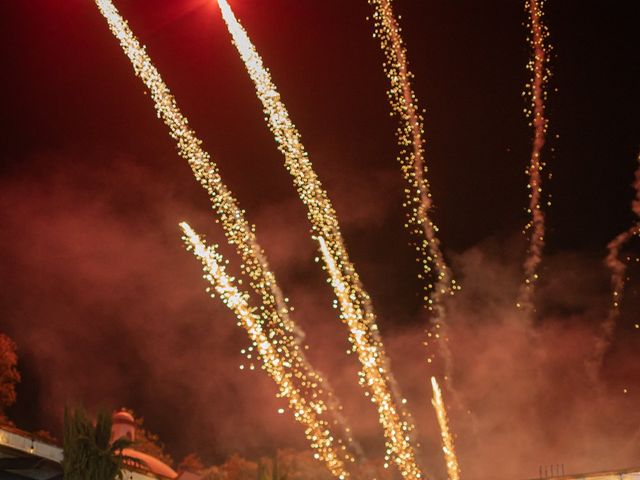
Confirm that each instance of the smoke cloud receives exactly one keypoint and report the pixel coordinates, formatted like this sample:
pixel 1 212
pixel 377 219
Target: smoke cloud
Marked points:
pixel 107 308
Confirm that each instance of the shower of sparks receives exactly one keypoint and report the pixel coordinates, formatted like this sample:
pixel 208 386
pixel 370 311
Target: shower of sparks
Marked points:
pixel 538 65
pixel 453 469
pixel 618 269
pixel 320 211
pixel 438 281
pixel 274 363
pixel 372 375
pixel 284 335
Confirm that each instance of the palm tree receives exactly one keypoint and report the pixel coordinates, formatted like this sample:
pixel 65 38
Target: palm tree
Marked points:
pixel 274 473
pixel 88 451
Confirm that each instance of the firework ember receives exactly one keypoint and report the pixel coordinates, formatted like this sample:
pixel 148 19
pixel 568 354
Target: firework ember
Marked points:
pixel 273 362
pixel 538 65
pixel 372 375
pixel 618 269
pixel 321 213
pixel 274 314
pixel 438 281
pixel 453 469
pixel 102 304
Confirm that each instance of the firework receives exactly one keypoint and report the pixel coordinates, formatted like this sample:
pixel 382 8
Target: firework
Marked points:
pixel 320 211
pixel 273 362
pixel 372 374
pixel 453 469
pixel 618 269
pixel 274 313
pixel 536 89
pixel 438 281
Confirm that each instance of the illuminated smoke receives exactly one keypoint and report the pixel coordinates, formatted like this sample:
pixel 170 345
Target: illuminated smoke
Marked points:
pixel 618 269
pixel 438 281
pixel 274 313
pixel 372 375
pixel 538 65
pixel 320 213
pixel 273 362
pixel 453 469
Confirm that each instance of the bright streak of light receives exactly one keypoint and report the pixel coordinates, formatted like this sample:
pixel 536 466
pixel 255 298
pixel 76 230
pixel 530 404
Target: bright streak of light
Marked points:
pixel 436 275
pixel 320 211
pixel 537 92
pixel 273 362
pixel 453 469
pixel 274 313
pixel 372 374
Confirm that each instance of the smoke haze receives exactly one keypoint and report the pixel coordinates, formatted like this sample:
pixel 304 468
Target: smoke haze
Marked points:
pixel 108 309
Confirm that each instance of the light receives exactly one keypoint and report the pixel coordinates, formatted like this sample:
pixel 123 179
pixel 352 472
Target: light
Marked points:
pixel 448 449
pixel 273 318
pixel 307 413
pixel 537 93
pixel 355 304
pixel 618 269
pixel 372 376
pixel 417 202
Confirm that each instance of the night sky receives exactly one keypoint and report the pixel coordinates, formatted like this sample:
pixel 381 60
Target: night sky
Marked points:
pixel 108 308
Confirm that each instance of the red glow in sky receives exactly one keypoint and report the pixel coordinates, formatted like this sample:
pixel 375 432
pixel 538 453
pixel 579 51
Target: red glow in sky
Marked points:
pixel 96 283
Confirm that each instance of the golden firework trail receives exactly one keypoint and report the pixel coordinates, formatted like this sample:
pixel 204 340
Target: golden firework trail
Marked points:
pixel 274 313
pixel 273 362
pixel 537 92
pixel 438 281
pixel 618 269
pixel 320 211
pixel 372 375
pixel 453 469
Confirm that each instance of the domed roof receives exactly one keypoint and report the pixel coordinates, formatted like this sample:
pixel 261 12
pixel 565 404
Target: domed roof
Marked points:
pixel 123 417
pixel 151 463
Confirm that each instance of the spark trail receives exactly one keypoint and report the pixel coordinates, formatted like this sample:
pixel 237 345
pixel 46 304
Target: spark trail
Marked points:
pixel 453 469
pixel 372 374
pixel 320 211
pixel 418 202
pixel 538 65
pixel 283 332
pixel 618 269
pixel 273 362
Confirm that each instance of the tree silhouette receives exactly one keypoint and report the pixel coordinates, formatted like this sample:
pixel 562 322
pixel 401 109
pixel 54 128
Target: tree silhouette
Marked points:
pixel 88 451
pixel 9 375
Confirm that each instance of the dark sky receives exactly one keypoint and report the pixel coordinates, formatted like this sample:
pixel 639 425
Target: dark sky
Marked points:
pixel 107 307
